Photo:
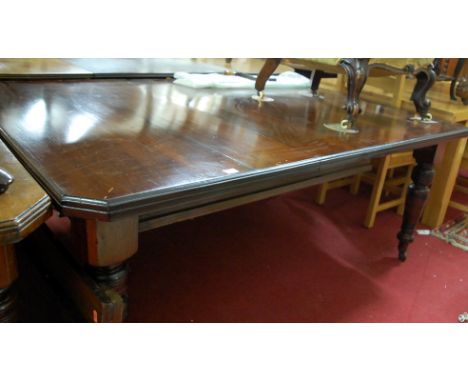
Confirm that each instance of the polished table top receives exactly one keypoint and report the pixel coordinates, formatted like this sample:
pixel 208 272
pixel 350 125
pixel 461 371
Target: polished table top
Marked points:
pixel 109 148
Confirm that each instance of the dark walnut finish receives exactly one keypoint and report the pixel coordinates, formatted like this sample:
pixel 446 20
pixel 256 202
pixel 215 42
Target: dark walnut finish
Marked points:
pixel 120 156
pixel 111 149
pixel 24 206
pixel 422 177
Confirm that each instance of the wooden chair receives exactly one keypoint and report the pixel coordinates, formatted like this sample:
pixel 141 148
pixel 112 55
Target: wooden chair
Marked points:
pixel 357 71
pixel 386 178
pixel 455 70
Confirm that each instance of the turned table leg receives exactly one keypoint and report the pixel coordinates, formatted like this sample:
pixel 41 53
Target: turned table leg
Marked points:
pixel 422 177
pixel 108 246
pixel 8 276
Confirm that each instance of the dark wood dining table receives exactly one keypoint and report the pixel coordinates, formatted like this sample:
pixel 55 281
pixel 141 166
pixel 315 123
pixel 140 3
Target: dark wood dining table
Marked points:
pixel 121 156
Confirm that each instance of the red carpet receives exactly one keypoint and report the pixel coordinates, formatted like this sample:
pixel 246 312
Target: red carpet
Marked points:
pixel 289 260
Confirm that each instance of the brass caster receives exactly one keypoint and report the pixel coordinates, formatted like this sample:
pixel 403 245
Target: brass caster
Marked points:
pixel 260 97
pixel 345 127
pixel 427 119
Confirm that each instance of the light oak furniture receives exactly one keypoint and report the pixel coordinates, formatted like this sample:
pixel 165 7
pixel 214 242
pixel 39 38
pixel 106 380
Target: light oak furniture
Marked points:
pixel 24 206
pixel 120 157
pixel 383 179
pixel 461 184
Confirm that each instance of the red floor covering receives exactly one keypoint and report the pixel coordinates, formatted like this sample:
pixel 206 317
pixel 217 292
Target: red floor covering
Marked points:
pixel 288 260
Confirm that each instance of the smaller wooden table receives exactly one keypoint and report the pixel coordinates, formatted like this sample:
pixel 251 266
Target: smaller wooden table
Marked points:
pixel 24 206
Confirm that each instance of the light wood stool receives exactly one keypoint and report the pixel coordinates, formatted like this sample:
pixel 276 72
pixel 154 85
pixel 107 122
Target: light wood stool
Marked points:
pixel 461 184
pixel 352 181
pixel 24 206
pixel 382 180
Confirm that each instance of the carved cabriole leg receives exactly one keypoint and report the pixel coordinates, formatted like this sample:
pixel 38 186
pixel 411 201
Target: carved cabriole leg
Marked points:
pixel 422 177
pixel 8 275
pixel 456 74
pixel 462 91
pixel 108 246
pixel 357 72
pixel 424 81
pixel 269 67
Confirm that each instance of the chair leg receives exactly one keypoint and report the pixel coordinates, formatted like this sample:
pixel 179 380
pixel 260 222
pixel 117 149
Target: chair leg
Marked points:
pixel 424 81
pixel 354 189
pixel 377 192
pixel 317 76
pixel 357 72
pixel 269 67
pixel 391 173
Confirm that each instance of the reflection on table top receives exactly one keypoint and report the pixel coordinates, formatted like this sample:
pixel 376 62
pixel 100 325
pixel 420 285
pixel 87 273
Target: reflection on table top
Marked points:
pixel 106 140
pixel 92 67
pixel 30 66
pixel 163 66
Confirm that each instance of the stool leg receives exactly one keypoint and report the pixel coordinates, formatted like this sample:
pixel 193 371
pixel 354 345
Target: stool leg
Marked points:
pixel 391 174
pixel 321 194
pixel 377 192
pixel 354 189
pixel 8 275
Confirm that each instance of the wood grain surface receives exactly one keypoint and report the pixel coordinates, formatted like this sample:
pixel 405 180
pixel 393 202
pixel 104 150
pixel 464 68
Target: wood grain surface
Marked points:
pixel 104 148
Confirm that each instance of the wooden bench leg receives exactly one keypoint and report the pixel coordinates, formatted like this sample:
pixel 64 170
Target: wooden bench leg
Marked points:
pixel 422 177
pixel 8 275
